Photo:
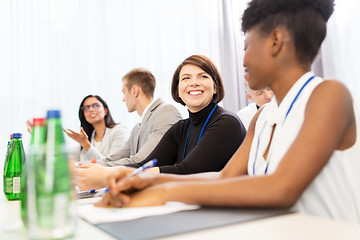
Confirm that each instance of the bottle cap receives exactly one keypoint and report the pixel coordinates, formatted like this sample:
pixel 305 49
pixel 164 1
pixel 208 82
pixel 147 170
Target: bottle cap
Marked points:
pixel 17 135
pixel 53 114
pixel 39 121
pixel 10 136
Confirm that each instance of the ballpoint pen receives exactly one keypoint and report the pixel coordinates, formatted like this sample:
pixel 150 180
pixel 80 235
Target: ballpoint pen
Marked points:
pixel 150 164
pixel 87 191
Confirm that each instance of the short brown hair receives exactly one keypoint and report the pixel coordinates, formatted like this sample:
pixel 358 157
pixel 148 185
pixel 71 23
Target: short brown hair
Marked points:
pixel 143 78
pixel 209 67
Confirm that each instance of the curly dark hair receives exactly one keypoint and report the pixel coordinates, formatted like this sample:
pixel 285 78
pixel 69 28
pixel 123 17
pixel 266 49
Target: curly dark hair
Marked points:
pixel 88 128
pixel 304 19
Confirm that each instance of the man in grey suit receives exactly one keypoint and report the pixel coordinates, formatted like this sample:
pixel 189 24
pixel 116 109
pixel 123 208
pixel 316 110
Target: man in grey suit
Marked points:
pixel 156 118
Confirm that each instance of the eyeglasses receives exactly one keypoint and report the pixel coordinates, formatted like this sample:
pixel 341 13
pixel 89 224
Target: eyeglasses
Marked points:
pixel 95 106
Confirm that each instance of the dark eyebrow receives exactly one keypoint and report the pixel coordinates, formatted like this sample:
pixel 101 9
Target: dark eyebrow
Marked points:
pixel 184 74
pixel 201 73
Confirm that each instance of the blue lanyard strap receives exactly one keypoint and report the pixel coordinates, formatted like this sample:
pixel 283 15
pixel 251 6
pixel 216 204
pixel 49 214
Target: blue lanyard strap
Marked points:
pixel 287 113
pixel 201 133
pixel 257 148
pixel 297 95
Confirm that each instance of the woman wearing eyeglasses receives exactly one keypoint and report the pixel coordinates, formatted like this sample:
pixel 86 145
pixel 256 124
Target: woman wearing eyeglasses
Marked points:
pixel 99 135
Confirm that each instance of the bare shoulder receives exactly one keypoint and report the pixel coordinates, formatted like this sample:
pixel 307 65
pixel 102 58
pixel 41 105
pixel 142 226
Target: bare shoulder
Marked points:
pixel 333 87
pixel 330 108
pixel 332 94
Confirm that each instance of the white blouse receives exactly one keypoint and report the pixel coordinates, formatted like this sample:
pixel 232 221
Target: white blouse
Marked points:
pixel 113 141
pixel 335 191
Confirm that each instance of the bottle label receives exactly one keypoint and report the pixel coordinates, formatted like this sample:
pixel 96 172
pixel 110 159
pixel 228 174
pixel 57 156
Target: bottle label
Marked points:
pixel 16 185
pixel 8 185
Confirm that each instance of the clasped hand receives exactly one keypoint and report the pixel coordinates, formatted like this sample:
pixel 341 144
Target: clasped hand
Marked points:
pixel 122 189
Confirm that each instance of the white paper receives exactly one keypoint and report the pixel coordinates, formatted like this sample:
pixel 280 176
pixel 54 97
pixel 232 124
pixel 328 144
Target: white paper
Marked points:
pixel 97 215
pixel 88 200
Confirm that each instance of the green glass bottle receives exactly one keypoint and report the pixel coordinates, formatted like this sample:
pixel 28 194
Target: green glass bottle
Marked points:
pixel 6 163
pixel 37 143
pixel 51 208
pixel 14 167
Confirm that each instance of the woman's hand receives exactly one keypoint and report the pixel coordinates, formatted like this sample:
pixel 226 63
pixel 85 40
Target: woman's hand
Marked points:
pixel 121 188
pixel 92 176
pixel 118 182
pixel 81 138
pixel 151 196
pixel 29 126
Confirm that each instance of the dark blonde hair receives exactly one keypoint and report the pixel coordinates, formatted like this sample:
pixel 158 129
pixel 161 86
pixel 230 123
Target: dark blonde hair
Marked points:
pixel 143 78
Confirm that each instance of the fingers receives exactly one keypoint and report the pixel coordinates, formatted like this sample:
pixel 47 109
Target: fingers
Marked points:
pixel 67 133
pixel 109 200
pixel 126 183
pixel 29 126
pixel 112 181
pixel 122 200
pixel 86 165
pixel 71 134
pixel 83 132
pixel 119 186
pixel 137 182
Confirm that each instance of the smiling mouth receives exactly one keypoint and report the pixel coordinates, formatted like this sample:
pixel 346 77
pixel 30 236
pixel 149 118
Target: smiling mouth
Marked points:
pixel 93 115
pixel 195 93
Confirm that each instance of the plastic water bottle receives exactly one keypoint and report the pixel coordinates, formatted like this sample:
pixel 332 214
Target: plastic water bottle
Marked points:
pixel 14 167
pixel 50 199
pixel 38 140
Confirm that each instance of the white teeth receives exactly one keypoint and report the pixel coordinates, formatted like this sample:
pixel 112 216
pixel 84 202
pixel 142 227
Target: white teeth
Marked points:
pixel 195 92
pixel 92 115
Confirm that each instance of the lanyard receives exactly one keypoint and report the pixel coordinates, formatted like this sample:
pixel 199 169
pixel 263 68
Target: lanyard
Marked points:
pixel 287 113
pixel 202 130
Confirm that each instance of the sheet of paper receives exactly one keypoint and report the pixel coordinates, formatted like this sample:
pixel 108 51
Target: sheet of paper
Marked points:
pixel 97 215
pixel 91 200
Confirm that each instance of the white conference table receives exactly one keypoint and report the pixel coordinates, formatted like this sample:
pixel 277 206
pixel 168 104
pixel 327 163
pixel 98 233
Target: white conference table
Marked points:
pixel 291 226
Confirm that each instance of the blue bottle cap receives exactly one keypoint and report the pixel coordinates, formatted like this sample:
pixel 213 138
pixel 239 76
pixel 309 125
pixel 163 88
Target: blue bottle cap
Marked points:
pixel 17 135
pixel 53 114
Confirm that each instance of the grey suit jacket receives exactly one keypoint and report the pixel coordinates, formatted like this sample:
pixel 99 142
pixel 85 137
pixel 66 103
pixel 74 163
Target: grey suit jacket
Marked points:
pixel 145 136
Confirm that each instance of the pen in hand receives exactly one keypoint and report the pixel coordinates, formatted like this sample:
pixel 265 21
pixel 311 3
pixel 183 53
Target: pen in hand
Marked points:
pixel 150 164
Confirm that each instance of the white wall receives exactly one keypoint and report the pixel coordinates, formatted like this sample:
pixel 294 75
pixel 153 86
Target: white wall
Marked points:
pixel 54 53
